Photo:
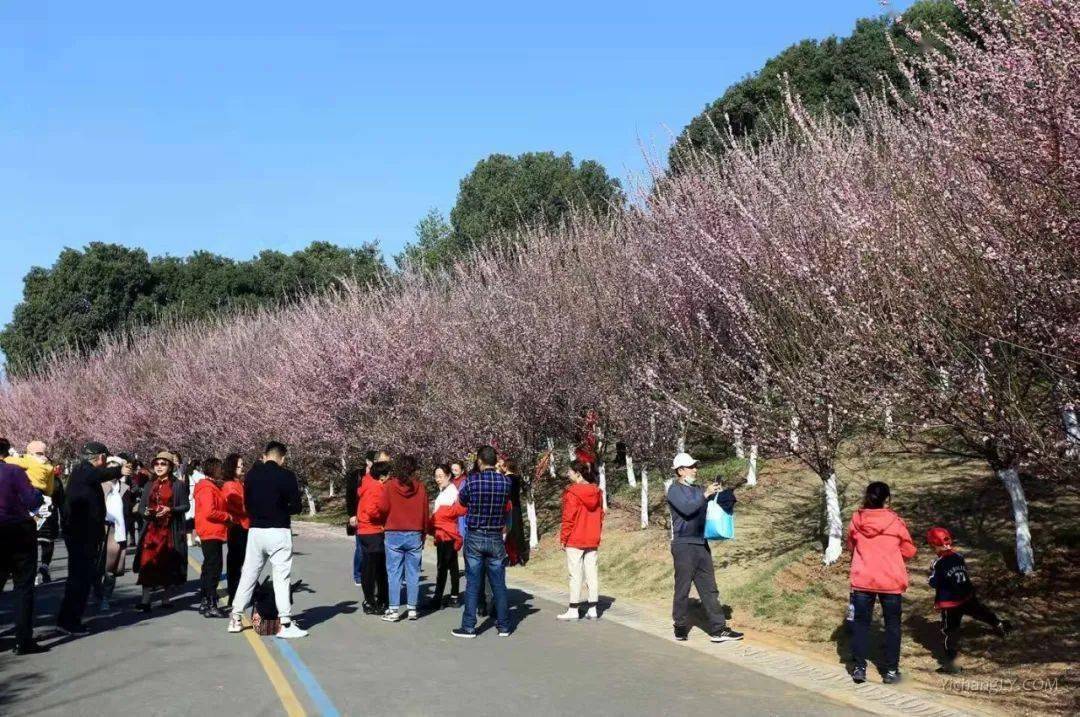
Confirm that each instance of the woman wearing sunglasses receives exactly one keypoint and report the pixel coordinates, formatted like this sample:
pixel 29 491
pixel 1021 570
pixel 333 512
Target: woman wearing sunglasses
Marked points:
pixel 161 559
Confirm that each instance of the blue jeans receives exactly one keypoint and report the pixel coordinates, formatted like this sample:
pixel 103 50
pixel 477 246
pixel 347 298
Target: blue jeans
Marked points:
pixel 485 553
pixel 357 561
pixel 860 629
pixel 403 551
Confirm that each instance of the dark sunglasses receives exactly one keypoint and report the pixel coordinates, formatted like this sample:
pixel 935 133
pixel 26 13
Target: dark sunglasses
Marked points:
pixel 160 463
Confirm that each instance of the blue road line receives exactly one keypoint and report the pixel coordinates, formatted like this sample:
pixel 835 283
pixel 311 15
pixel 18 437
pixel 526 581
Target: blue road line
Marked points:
pixel 311 685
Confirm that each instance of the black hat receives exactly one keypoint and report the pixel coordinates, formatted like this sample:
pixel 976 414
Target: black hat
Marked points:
pixel 94 448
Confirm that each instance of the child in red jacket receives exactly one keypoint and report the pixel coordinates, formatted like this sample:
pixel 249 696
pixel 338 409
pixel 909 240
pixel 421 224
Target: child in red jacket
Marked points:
pixel 444 526
pixel 954 596
pixel 880 544
pixel 582 523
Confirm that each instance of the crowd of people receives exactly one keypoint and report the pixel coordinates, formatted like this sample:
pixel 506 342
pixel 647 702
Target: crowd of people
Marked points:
pixel 241 520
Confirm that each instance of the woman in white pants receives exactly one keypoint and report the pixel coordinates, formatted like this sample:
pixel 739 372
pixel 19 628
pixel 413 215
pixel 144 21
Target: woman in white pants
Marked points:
pixel 582 524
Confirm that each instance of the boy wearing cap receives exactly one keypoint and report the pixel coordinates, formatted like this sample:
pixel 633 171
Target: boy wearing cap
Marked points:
pixel 954 596
pixel 690 551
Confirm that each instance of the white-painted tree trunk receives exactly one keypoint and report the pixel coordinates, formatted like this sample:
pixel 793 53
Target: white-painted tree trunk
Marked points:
pixel 1025 555
pixel 644 496
pixel 530 510
pixel 833 521
pixel 751 471
pixel 793 435
pixel 551 457
pixel 630 477
pixel 740 449
pixel 602 472
pixel 943 375
pixel 310 501
pixel 1071 425
pixel 680 444
pixel 888 417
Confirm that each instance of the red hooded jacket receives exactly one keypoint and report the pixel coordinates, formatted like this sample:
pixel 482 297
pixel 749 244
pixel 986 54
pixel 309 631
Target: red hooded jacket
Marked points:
pixel 405 505
pixel 233 490
pixel 369 521
pixel 582 516
pixel 879 543
pixel 211 512
pixel 444 524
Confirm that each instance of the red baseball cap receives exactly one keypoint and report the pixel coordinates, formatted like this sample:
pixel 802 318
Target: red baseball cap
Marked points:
pixel 939 537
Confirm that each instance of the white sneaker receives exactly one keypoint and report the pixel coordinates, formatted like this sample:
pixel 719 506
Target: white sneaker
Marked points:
pixel 39 579
pixel 570 614
pixel 392 616
pixel 290 632
pixel 413 614
pixel 235 623
pixel 592 614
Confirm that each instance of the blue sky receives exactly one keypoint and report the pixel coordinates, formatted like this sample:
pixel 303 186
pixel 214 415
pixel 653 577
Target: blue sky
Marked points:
pixel 238 126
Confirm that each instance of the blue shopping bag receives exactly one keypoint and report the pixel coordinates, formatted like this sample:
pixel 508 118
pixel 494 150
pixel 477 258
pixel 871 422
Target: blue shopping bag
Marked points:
pixel 719 523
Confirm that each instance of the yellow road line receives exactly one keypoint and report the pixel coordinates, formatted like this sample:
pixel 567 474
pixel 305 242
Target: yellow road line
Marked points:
pixel 281 686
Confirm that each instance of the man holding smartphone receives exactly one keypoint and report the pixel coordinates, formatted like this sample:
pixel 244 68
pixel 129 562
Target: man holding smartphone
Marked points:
pixel 687 503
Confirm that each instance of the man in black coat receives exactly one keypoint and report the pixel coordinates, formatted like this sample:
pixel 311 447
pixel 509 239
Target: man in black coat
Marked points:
pixel 83 526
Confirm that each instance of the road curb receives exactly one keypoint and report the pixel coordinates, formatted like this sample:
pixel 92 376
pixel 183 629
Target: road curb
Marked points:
pixel 831 681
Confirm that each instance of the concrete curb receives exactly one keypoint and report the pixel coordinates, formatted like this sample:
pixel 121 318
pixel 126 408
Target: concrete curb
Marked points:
pixel 828 680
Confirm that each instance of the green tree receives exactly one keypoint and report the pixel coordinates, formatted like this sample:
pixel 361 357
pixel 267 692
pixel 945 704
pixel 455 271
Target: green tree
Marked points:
pixel 106 288
pixel 827 75
pixel 502 194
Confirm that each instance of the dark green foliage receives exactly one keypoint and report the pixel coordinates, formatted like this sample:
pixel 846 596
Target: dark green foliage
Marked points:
pixel 107 287
pixel 826 75
pixel 502 194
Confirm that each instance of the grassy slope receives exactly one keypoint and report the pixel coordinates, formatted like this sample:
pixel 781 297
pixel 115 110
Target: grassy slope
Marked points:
pixel 772 578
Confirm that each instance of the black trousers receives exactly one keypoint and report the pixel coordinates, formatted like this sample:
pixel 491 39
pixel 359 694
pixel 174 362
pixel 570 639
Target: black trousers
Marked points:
pixel 447 561
pixel 238 536
pixel 46 551
pixel 211 569
pixel 82 568
pixel 951 618
pixel 694 565
pixel 373 580
pixel 18 559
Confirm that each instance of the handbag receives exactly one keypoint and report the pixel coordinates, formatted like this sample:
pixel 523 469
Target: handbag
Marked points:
pixel 719 524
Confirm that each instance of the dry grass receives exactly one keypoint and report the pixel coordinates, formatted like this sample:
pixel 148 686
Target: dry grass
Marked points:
pixel 772 578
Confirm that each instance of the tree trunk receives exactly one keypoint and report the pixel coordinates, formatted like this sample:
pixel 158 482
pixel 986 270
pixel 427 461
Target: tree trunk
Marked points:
pixel 1072 429
pixel 630 477
pixel 680 444
pixel 602 472
pixel 530 509
pixel 833 521
pixel 751 471
pixel 740 449
pixel 551 457
pixel 310 501
pixel 888 418
pixel 644 496
pixel 1025 556
pixel 793 435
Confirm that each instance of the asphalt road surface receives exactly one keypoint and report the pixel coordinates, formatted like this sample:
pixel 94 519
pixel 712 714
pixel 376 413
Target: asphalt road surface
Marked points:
pixel 176 662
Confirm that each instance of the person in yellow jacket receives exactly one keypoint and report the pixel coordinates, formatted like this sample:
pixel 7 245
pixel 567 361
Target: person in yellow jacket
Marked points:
pixel 43 477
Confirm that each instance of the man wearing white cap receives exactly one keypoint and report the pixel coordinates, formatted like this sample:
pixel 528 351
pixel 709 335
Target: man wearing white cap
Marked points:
pixel 689 549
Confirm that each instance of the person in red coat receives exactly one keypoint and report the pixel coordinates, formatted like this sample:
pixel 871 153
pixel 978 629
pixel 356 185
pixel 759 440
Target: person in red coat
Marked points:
pixel 880 545
pixel 239 522
pixel 212 526
pixel 445 513
pixel 582 524
pixel 404 502
pixel 370 526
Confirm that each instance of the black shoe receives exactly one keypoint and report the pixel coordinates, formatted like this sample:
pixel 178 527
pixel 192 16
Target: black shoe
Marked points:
pixel 143 607
pixel 29 648
pixel 948 668
pixel 1004 628
pixel 204 606
pixel 891 677
pixel 455 601
pixel 73 629
pixel 858 675
pixel 466 634
pixel 436 603
pixel 726 635
pixel 367 608
pixel 681 633
pixel 213 612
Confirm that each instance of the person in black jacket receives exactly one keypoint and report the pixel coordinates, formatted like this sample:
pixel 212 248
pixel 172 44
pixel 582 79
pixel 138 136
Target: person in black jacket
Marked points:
pixel 271 495
pixel 83 526
pixel 954 596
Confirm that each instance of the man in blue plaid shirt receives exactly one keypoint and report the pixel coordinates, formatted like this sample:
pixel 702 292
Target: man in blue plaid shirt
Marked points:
pixel 485 494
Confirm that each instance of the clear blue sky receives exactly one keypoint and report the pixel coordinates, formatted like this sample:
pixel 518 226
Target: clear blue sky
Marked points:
pixel 237 126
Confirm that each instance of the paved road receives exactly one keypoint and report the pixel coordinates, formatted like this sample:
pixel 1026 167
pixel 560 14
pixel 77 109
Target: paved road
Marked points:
pixel 178 663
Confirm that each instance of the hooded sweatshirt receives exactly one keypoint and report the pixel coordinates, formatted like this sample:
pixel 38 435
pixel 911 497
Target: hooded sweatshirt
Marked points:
pixel 879 543
pixel 211 511
pixel 444 516
pixel 369 519
pixel 582 516
pixel 405 505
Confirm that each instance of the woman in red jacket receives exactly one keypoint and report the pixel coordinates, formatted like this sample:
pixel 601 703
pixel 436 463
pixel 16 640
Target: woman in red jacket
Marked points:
pixel 239 523
pixel 880 544
pixel 212 527
pixel 370 528
pixel 582 523
pixel 444 526
pixel 405 505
